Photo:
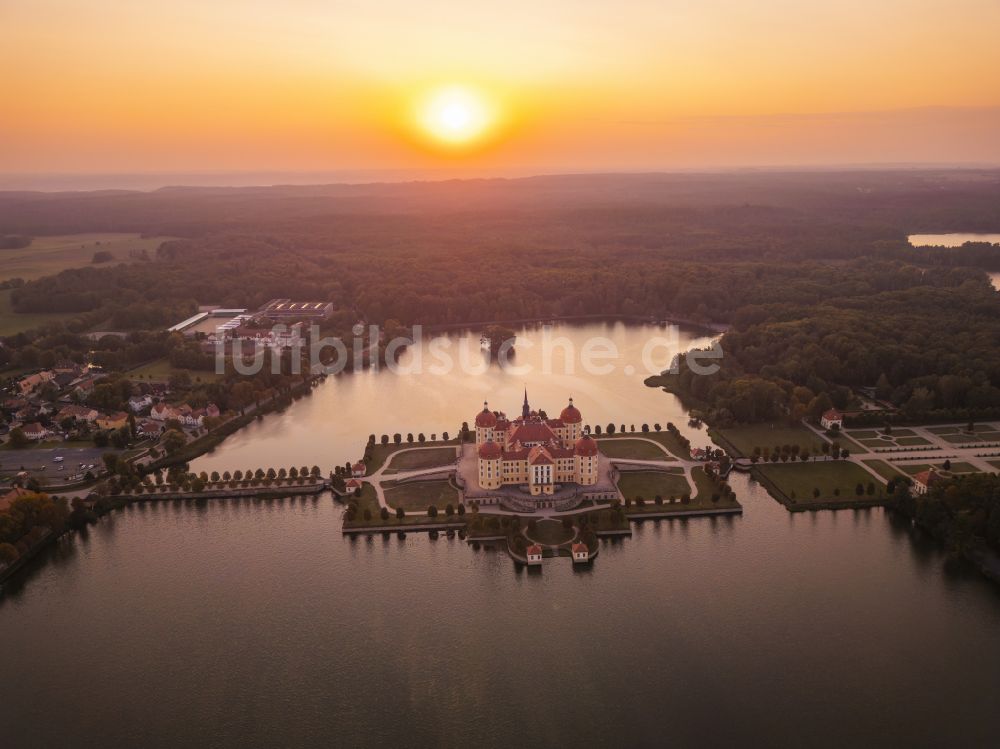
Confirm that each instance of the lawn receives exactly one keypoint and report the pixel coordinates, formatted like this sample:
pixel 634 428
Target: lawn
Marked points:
pixel 862 434
pixel 664 437
pixel 883 469
pixel 369 501
pixel 979 436
pixel 994 463
pixel 382 453
pixel 637 449
pixel 798 480
pixel 647 484
pixel 956 467
pixel 414 459
pixel 414 496
pixel 48 255
pixel 12 322
pixel 745 438
pixel 702 499
pixel 875 442
pixel 911 441
pixel 160 371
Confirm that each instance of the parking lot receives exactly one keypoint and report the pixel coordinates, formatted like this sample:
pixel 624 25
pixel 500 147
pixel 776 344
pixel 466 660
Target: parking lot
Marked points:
pixel 41 463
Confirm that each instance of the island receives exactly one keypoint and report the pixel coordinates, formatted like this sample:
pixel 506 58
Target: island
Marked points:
pixel 539 486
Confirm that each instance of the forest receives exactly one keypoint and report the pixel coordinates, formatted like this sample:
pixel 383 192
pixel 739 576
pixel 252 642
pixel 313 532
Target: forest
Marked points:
pixel 812 271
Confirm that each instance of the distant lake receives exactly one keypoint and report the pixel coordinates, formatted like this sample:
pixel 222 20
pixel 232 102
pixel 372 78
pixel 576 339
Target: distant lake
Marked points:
pixel 956 240
pixel 950 240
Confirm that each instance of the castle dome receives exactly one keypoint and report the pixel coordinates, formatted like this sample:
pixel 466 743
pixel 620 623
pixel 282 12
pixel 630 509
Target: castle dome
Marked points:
pixel 571 414
pixel 586 446
pixel 486 418
pixel 489 450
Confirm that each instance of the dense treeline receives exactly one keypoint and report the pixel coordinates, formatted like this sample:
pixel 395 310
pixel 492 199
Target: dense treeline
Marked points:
pixel 927 342
pixel 962 513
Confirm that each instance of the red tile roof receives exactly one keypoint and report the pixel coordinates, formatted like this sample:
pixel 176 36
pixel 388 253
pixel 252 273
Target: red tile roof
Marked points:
pixel 571 414
pixel 531 432
pixel 486 418
pixel 586 446
pixel 539 456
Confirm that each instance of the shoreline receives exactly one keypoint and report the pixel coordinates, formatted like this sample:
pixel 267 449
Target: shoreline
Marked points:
pixel 710 326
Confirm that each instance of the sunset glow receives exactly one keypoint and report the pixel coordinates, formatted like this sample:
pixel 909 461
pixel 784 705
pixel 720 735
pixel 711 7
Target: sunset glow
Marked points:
pixel 456 115
pixel 304 85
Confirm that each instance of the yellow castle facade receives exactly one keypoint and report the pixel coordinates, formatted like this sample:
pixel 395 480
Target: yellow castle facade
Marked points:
pixel 534 451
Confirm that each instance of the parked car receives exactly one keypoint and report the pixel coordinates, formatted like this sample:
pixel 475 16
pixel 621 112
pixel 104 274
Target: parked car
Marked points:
pixel 58 459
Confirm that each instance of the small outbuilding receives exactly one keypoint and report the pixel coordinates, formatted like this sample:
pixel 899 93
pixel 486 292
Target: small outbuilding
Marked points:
pixel 534 554
pixel 832 419
pixel 925 480
pixel 581 553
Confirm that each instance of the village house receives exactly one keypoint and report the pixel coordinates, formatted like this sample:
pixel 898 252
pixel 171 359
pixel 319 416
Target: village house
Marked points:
pixel 84 386
pixel 115 420
pixel 29 383
pixel 138 402
pixel 35 431
pixel 352 484
pixel 79 413
pixel 359 469
pixel 149 428
pixel 67 366
pixel 161 411
pixel 832 419
pixel 580 553
pixel 187 416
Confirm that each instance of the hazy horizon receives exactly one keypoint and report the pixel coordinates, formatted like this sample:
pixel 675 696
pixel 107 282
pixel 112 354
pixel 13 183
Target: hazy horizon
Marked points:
pixel 104 87
pixel 55 182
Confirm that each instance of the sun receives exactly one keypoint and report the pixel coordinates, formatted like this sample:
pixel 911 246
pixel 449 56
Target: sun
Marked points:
pixel 456 115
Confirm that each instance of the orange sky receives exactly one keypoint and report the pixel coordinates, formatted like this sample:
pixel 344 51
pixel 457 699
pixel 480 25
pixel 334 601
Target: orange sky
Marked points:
pixel 151 85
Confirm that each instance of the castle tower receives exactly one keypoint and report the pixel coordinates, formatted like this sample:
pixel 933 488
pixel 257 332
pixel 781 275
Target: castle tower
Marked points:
pixel 485 421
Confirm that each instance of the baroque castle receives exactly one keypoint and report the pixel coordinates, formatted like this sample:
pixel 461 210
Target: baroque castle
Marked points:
pixel 534 451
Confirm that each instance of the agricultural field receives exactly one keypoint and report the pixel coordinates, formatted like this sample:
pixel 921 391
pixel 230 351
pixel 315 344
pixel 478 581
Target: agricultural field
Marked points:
pixel 48 255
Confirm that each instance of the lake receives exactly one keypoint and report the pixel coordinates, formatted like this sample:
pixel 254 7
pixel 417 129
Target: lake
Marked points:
pixel 331 426
pixel 953 239
pixel 255 623
pixel 956 240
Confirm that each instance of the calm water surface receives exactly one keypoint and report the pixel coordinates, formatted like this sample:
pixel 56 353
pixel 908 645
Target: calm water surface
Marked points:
pixel 953 239
pixel 254 623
